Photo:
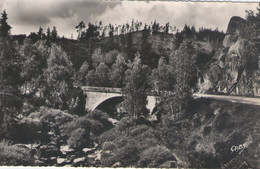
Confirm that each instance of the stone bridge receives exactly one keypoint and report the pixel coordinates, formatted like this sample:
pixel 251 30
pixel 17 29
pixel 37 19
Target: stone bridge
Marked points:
pixel 98 95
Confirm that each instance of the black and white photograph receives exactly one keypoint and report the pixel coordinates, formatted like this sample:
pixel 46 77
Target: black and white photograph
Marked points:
pixel 129 84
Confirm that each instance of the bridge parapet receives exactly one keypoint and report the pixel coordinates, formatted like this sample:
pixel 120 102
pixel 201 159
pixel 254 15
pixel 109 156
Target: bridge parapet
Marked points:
pixel 160 93
pixel 101 89
pixel 119 90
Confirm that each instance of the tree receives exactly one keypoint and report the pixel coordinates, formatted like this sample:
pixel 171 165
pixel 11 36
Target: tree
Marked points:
pixel 80 28
pixel 110 57
pixel 167 25
pixel 4 27
pixel 117 72
pixel 129 46
pixel 40 33
pixel 163 77
pixel 155 27
pixel 54 34
pixel 83 71
pixel 136 87
pixel 97 57
pixel 10 81
pixel 34 61
pixel 59 80
pixel 102 75
pixel 92 32
pixel 48 36
pixel 183 61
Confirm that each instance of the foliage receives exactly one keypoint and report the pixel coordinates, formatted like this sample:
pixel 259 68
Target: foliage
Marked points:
pixel 101 117
pixel 117 72
pixel 83 71
pixel 163 78
pixel 14 155
pixel 124 143
pixel 79 139
pixel 98 77
pixel 10 81
pixel 80 122
pixel 54 117
pixel 34 61
pixel 4 26
pixel 155 156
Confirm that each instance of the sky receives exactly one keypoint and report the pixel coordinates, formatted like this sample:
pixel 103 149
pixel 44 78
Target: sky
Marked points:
pixel 27 16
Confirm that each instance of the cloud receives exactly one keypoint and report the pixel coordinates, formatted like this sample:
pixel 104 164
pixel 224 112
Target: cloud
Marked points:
pixel 26 16
pixel 199 14
pixel 64 14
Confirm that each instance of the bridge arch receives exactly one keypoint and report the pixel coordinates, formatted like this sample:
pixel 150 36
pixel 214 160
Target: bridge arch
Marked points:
pixel 109 105
pixel 94 99
pixel 95 96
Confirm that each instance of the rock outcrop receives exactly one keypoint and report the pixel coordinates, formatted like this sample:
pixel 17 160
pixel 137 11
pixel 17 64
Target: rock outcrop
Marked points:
pixel 234 68
pixel 234 24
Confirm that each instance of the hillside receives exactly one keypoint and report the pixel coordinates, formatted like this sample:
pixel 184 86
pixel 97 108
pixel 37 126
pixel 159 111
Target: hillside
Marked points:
pixel 150 46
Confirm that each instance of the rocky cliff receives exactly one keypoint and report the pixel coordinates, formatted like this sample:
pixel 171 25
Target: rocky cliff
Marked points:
pixel 234 68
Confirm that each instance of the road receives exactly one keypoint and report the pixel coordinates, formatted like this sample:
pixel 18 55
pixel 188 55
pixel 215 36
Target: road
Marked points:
pixel 235 99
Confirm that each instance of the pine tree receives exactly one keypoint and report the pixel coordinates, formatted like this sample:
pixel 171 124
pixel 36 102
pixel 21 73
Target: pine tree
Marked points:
pixel 80 28
pixel 54 34
pixel 48 36
pixel 4 27
pixel 10 81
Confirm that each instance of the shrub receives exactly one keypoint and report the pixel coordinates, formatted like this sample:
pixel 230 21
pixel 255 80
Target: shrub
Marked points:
pixel 81 122
pixel 128 154
pixel 14 155
pixel 108 154
pixel 79 139
pixel 96 127
pixel 121 128
pixel 55 117
pixel 101 117
pixel 129 144
pixel 155 156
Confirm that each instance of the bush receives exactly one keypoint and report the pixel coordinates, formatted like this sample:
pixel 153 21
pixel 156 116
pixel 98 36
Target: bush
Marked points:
pixel 155 156
pixel 125 145
pixel 108 154
pixel 79 139
pixel 14 155
pixel 122 127
pixel 55 117
pixel 81 122
pixel 101 117
pixel 128 155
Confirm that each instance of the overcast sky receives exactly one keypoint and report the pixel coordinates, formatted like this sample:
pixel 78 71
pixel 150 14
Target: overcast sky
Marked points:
pixel 27 16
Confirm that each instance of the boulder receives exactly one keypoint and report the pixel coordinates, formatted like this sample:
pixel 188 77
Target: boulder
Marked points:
pixel 228 40
pixel 234 24
pixel 66 149
pixel 88 150
pixel 40 163
pixel 168 164
pixel 49 151
pixel 79 162
pixel 117 164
